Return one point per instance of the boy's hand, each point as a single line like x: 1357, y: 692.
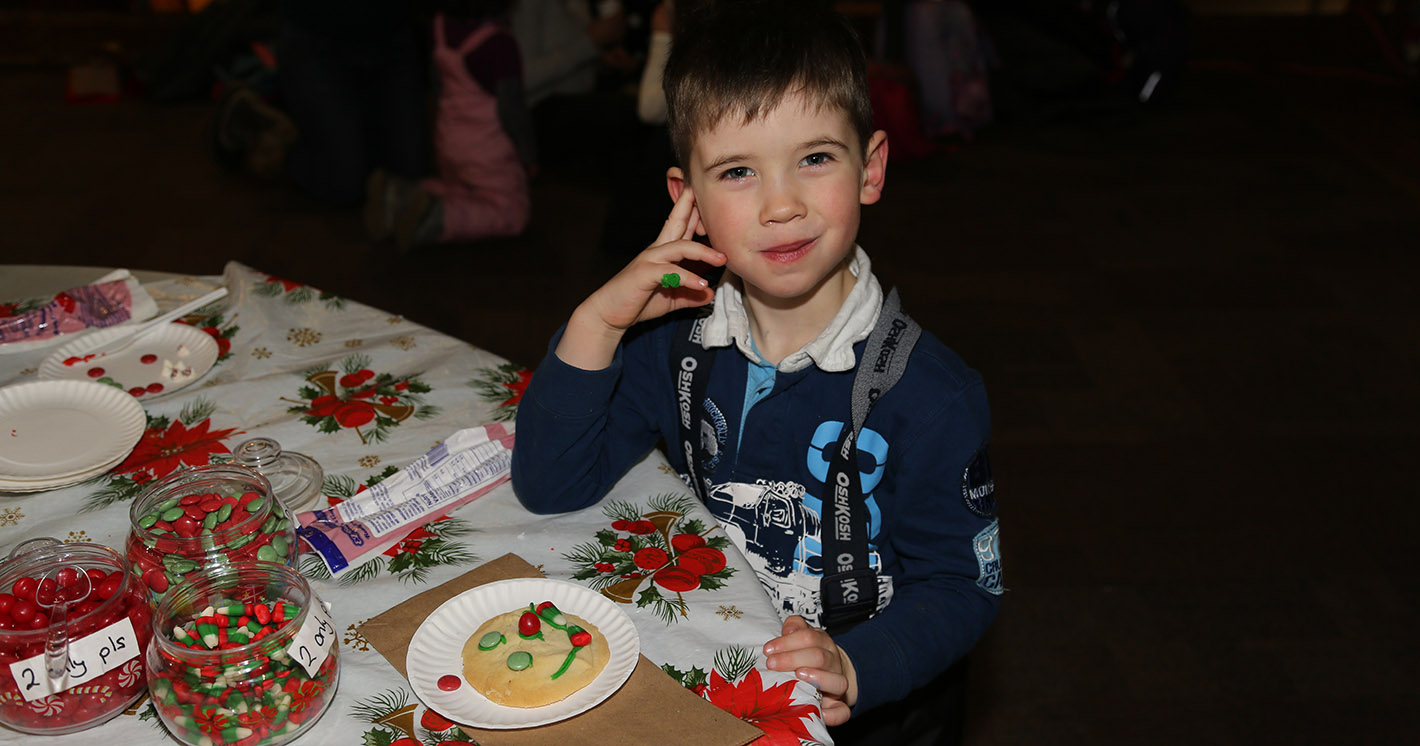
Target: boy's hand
x: 813, y: 657
x: 636, y: 292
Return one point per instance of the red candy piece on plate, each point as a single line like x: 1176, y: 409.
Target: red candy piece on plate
x: 582, y: 639
x: 449, y: 682
x: 148, y: 359
x: 529, y: 624
x: 96, y: 372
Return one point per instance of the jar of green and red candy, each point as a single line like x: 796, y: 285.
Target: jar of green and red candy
x: 207, y: 517
x: 108, y: 624
x: 242, y: 655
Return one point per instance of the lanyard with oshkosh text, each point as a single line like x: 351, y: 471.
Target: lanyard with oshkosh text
x: 849, y: 588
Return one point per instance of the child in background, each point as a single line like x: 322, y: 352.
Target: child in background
x: 863, y: 499
x: 482, y: 138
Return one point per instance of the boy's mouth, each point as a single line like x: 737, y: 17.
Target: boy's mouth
x: 789, y: 252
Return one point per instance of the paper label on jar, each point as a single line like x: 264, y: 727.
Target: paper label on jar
x: 90, y: 657
x: 313, y: 641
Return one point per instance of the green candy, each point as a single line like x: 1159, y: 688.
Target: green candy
x: 491, y: 640
x: 224, y: 512
x: 519, y: 660
x: 147, y: 521
x: 172, y: 514
x: 266, y: 554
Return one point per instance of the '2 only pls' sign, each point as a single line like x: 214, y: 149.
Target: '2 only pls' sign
x: 90, y: 657
x: 314, y: 639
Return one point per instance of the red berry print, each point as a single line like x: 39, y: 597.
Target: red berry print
x: 155, y: 388
x: 148, y: 359
x: 682, y: 542
x: 96, y: 372
x: 650, y: 558
x: 137, y: 391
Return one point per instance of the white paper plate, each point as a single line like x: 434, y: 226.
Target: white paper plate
x: 168, y: 358
x: 53, y: 430
x: 436, y: 650
x: 54, y: 483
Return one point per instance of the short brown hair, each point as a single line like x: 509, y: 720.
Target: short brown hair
x: 741, y: 56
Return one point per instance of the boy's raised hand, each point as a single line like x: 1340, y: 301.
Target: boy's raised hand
x: 636, y: 293
x: 813, y: 657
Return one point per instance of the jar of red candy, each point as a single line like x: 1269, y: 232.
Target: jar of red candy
x: 244, y: 654
x: 207, y: 517
x: 89, y: 601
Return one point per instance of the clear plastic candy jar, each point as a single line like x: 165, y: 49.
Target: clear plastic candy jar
x: 242, y: 654
x: 207, y: 517
x: 89, y: 607
x: 295, y: 477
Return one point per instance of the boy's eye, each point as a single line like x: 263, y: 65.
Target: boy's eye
x: 737, y: 173
x: 817, y: 159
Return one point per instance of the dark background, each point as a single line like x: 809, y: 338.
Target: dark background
x: 1197, y: 322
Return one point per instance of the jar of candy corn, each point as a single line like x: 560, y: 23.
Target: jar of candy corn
x: 89, y: 604
x: 210, y: 516
x: 245, y: 654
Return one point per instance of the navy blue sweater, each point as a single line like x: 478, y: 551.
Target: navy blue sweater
x: 933, y: 537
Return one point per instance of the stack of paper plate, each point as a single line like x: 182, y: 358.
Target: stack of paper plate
x: 57, y: 433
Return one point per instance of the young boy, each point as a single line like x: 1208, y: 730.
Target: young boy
x: 759, y: 400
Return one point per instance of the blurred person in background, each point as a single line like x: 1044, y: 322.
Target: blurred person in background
x: 483, y: 139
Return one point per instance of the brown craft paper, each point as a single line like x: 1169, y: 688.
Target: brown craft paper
x: 650, y: 708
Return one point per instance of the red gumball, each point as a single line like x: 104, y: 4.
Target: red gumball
x: 25, y: 588
x: 529, y: 624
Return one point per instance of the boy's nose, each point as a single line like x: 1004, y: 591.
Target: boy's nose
x: 781, y: 203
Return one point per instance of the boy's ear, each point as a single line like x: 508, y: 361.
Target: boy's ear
x: 874, y: 169
x: 676, y: 185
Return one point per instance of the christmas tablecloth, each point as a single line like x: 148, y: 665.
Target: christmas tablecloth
x: 293, y: 365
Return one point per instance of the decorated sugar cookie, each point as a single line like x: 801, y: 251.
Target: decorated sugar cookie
x: 533, y: 656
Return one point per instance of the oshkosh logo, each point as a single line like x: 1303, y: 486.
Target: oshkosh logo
x: 696, y: 329
x: 889, y: 347
x: 843, y: 524
x: 849, y: 587
x: 687, y: 367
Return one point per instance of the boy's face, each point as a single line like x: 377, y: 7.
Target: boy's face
x: 780, y: 197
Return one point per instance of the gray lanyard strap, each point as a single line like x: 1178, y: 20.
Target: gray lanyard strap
x: 849, y: 588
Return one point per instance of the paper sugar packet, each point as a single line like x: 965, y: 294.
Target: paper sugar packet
x: 463, y: 468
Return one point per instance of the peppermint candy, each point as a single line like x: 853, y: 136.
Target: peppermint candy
x: 48, y: 706
x: 130, y: 673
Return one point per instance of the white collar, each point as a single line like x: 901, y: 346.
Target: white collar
x: 831, y: 351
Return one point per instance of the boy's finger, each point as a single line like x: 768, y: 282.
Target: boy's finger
x: 679, y: 220
x: 793, y: 624
x: 831, y: 684
x: 692, y: 221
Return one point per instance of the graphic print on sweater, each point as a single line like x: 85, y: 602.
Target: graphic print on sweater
x: 777, y: 525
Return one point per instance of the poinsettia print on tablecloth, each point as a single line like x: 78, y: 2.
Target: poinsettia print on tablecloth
x: 660, y: 549
x: 166, y: 446
x: 503, y: 387
x: 295, y: 293
x: 354, y: 397
x: 222, y: 329
x: 734, y: 685
x: 430, y: 545
x: 392, y: 717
